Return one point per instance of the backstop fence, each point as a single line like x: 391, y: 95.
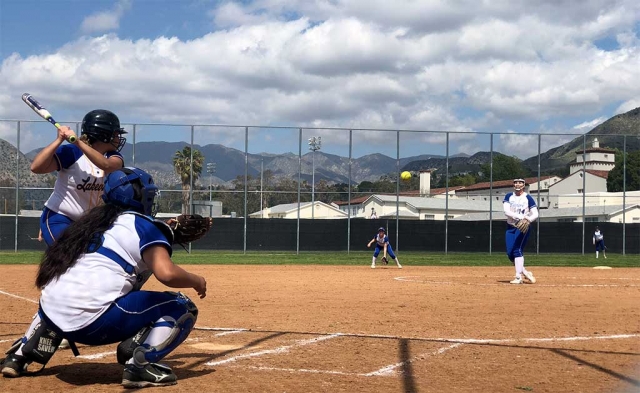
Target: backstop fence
x: 271, y: 190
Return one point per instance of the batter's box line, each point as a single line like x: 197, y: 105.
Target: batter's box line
x: 386, y: 371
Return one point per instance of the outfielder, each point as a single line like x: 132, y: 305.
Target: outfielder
x: 598, y: 241
x: 382, y: 243
x: 521, y: 210
x: 88, y: 279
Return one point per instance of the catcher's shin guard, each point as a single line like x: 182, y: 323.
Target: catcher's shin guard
x: 126, y: 348
x: 181, y: 329
x: 41, y: 346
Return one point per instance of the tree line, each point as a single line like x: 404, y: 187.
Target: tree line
x: 275, y: 191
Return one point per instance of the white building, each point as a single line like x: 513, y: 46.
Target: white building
x: 290, y: 210
x: 481, y: 191
x: 596, y: 158
x: 568, y: 192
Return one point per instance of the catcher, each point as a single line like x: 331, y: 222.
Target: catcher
x: 521, y: 211
x: 114, y: 244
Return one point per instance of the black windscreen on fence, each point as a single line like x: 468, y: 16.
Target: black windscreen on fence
x: 335, y: 235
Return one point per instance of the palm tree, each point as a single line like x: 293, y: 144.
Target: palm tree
x: 182, y: 165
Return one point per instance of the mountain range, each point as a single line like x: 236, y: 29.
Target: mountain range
x: 156, y: 157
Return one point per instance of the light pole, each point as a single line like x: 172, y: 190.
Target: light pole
x: 261, y: 175
x: 315, y: 143
x: 211, y: 169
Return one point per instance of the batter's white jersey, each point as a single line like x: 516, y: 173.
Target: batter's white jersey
x: 80, y: 295
x: 520, y: 205
x: 79, y: 184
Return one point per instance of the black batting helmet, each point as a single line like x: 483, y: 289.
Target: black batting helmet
x: 101, y: 125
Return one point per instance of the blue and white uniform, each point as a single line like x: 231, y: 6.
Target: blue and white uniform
x: 78, y: 188
x: 517, y: 207
x: 380, y: 242
x: 94, y: 302
x: 598, y: 240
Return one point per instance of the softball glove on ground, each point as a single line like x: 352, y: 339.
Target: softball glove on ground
x: 523, y: 225
x: 188, y: 228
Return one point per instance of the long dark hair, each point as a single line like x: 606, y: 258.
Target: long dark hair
x: 75, y: 241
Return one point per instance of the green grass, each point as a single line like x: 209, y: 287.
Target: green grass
x: 364, y: 258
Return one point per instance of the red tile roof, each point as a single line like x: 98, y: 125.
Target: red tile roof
x: 502, y: 183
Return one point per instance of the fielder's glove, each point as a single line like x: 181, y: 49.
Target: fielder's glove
x: 385, y: 260
x: 189, y: 228
x: 523, y: 225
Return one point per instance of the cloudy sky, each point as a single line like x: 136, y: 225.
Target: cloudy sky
x: 511, y: 68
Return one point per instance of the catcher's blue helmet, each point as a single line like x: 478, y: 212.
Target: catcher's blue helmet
x: 381, y: 229
x: 131, y: 188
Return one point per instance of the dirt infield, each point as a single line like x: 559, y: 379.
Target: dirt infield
x: 355, y: 329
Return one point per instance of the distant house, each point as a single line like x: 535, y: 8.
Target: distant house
x: 568, y: 191
x: 320, y: 210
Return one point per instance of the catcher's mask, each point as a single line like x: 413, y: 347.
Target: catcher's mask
x: 131, y: 188
x: 518, y: 184
x: 104, y: 126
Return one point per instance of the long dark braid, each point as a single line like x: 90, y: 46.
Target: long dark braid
x: 74, y: 242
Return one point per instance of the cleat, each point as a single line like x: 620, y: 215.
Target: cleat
x: 152, y: 374
x: 64, y: 344
x: 399, y: 265
x: 14, y: 365
x: 373, y: 265
x: 529, y: 276
x: 517, y: 280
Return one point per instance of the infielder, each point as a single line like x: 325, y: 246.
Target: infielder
x: 88, y: 276
x: 521, y: 210
x: 598, y: 241
x: 382, y: 243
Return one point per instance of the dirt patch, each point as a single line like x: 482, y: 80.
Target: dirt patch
x: 356, y: 329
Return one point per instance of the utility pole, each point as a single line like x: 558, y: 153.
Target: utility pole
x: 315, y: 143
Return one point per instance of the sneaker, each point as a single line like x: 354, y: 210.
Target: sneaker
x: 14, y: 365
x: 517, y: 280
x: 153, y: 374
x: 530, y: 277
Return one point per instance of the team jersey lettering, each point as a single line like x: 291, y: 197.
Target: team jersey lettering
x: 93, y: 186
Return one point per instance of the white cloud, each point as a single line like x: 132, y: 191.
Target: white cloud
x: 589, y: 125
x: 627, y: 106
x: 426, y: 65
x: 105, y: 20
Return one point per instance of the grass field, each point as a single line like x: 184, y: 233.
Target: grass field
x: 364, y: 258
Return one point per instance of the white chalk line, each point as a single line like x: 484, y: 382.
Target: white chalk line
x: 390, y: 369
x: 18, y: 297
x: 282, y: 349
x: 385, y: 371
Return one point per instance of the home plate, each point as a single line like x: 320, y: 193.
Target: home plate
x: 602, y: 267
x: 216, y: 347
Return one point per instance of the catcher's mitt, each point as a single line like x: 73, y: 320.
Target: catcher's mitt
x: 523, y: 225
x: 385, y: 260
x: 189, y: 227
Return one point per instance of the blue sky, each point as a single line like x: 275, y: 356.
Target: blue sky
x: 510, y: 68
